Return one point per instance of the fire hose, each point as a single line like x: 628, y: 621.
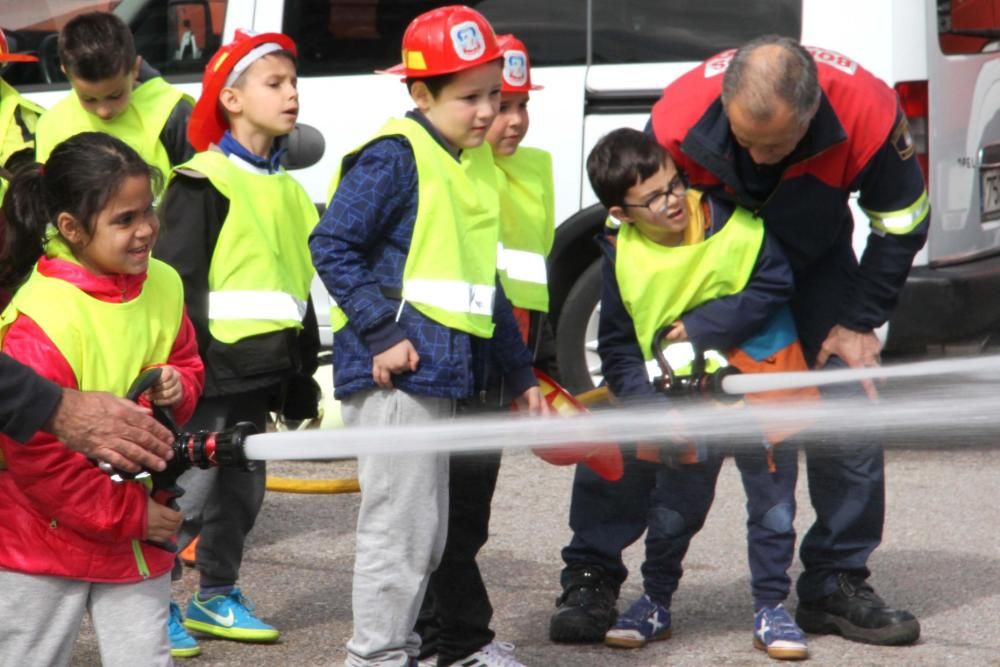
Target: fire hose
x: 240, y: 445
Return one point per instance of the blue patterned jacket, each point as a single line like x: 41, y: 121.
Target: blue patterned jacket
x: 359, y: 249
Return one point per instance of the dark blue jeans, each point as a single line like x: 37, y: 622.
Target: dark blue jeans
x: 680, y: 503
x: 846, y: 487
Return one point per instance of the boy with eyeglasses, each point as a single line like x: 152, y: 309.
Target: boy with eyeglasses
x: 722, y: 284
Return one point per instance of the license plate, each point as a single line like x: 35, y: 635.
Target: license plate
x: 990, y: 199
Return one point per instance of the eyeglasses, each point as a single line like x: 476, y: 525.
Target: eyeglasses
x: 658, y: 201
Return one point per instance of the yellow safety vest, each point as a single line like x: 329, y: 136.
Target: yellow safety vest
x: 106, y: 344
x: 11, y: 139
x: 527, y: 226
x: 139, y: 125
x: 261, y: 269
x: 660, y: 283
x: 450, y: 270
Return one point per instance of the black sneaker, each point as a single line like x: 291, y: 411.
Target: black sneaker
x: 858, y: 614
x: 586, y: 609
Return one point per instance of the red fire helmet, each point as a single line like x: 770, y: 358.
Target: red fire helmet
x: 516, y: 65
x: 7, y: 57
x: 446, y: 40
x: 208, y: 122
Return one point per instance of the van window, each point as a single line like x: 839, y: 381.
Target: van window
x: 968, y: 26
x: 361, y: 36
x: 635, y: 31
x: 176, y: 37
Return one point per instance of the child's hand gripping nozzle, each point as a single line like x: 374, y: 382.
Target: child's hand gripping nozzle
x: 691, y: 376
x: 202, y: 449
x: 696, y: 378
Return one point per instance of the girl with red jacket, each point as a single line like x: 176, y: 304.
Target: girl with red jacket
x: 94, y: 312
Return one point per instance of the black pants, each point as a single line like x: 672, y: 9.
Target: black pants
x: 455, y: 617
x: 232, y: 498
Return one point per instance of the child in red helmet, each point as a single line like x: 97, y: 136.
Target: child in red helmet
x: 236, y: 229
x: 455, y: 618
x: 18, y: 120
x: 408, y: 249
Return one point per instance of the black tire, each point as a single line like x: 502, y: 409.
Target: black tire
x: 571, y: 332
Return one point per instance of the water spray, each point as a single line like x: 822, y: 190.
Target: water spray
x: 925, y: 416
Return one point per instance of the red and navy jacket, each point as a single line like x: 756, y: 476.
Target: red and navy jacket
x: 858, y: 141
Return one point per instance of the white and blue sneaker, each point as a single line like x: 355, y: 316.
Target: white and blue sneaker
x: 182, y: 644
x: 774, y: 631
x: 643, y: 622
x: 228, y: 616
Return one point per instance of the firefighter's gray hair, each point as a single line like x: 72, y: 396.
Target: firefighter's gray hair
x: 758, y: 78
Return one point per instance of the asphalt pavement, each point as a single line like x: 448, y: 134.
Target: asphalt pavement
x: 940, y: 559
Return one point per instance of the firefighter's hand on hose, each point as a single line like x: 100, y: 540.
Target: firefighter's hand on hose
x: 677, y: 333
x: 858, y: 349
x: 400, y: 358
x: 161, y: 522
x: 168, y: 390
x: 532, y: 402
x: 107, y: 428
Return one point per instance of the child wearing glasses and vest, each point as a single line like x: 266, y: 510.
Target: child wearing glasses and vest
x: 236, y: 228
x: 721, y: 284
x: 408, y: 250
x: 117, y: 92
x: 91, y: 311
x: 454, y: 622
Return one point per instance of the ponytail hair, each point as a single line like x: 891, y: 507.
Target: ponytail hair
x: 24, y: 219
x: 82, y: 174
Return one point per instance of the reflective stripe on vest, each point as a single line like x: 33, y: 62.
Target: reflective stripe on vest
x: 261, y: 270
x: 11, y: 138
x: 520, y: 266
x: 139, y: 125
x: 658, y: 284
x: 450, y: 270
x: 106, y: 344
x: 255, y: 305
x: 527, y: 225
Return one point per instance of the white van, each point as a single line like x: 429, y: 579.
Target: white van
x: 603, y: 63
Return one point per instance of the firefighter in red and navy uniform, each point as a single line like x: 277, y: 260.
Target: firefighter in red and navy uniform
x: 735, y: 124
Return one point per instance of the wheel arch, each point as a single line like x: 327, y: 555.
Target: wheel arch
x: 573, y: 251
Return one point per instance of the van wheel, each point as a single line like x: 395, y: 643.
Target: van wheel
x: 576, y: 334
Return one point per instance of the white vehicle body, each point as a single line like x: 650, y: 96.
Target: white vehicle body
x: 588, y: 92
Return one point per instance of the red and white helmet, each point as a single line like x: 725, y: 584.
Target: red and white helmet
x: 7, y: 57
x: 208, y: 122
x: 516, y: 65
x: 446, y: 40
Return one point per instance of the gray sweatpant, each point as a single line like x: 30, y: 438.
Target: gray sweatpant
x: 42, y: 620
x: 402, y: 527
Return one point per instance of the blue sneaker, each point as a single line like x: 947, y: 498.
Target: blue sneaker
x: 774, y: 631
x: 228, y: 616
x: 182, y: 644
x: 643, y: 622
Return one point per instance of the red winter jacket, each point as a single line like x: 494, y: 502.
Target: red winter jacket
x: 59, y: 514
x: 856, y: 142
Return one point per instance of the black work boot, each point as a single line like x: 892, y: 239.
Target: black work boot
x: 858, y: 614
x: 586, y: 609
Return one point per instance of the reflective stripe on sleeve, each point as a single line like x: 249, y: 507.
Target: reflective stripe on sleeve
x: 900, y: 222
x: 451, y: 295
x: 254, y: 305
